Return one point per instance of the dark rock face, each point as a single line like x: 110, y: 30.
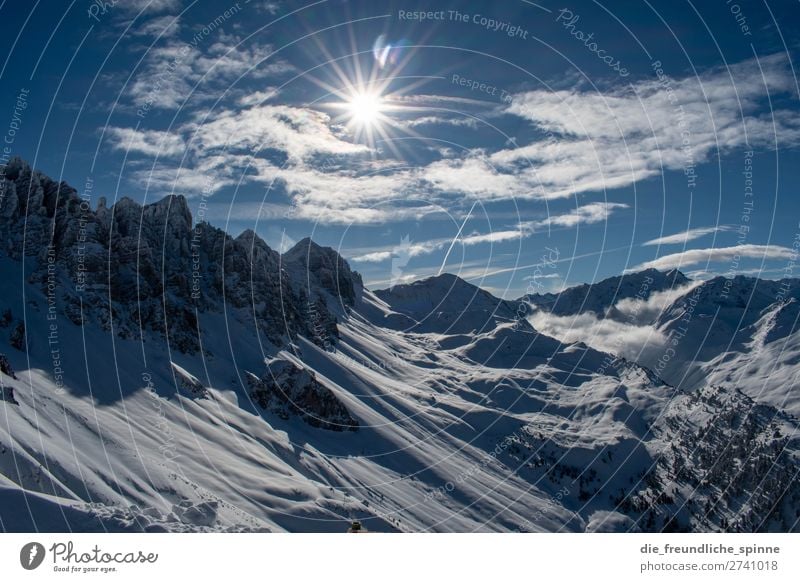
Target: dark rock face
x: 188, y: 384
x: 7, y: 395
x: 317, y: 267
x: 288, y: 390
x: 148, y: 270
x: 448, y: 304
x: 5, y: 367
x: 17, y: 337
x: 7, y: 392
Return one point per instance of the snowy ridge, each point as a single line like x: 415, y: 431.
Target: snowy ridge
x: 602, y: 296
x: 283, y: 396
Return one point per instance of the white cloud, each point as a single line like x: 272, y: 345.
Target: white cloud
x: 681, y: 238
x: 409, y: 250
x: 598, y: 141
x: 427, y: 247
x: 376, y: 257
x: 645, y: 312
x: 695, y: 256
x: 298, y: 132
x: 541, y: 276
x: 200, y: 71
x: 494, y: 237
x: 164, y: 26
x: 591, y: 213
x: 473, y: 175
x: 627, y: 329
x: 258, y: 97
x: 271, y: 8
x: 146, y: 142
x: 191, y: 182
x: 440, y: 120
x: 608, y: 335
x: 150, y: 6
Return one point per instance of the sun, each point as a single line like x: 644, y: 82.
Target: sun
x: 365, y: 108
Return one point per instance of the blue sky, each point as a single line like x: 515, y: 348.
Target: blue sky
x: 521, y: 145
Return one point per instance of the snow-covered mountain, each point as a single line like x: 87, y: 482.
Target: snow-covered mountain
x: 600, y: 298
x: 160, y: 375
x: 742, y: 333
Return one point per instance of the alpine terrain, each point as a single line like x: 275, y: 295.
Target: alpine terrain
x: 161, y: 375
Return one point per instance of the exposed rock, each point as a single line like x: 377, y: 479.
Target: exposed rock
x: 286, y: 390
x: 721, y: 446
x: 601, y: 297
x: 188, y: 383
x: 317, y: 267
x: 197, y: 514
x: 148, y: 269
x: 5, y: 367
x: 7, y: 394
x: 17, y: 338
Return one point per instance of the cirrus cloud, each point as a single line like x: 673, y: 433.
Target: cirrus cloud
x: 696, y: 256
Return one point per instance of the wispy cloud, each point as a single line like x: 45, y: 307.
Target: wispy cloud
x: 494, y: 237
x: 150, y: 6
x: 595, y: 141
x: 159, y: 26
x: 441, y: 120
x: 681, y: 238
x: 409, y: 250
x: 147, y: 142
x: 591, y: 213
x: 298, y: 132
x: 200, y: 70
x: 598, y: 141
x: 696, y: 256
x: 587, y: 214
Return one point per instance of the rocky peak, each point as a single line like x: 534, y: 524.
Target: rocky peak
x: 317, y: 266
x: 447, y: 303
x: 146, y: 267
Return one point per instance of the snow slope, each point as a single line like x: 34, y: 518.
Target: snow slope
x: 286, y: 397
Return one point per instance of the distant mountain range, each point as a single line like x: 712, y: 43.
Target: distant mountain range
x: 161, y: 375
x: 742, y: 332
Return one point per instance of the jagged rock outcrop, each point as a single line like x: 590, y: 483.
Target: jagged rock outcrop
x: 17, y: 337
x: 188, y: 383
x: 7, y: 392
x: 317, y: 267
x: 148, y: 269
x: 720, y: 446
x: 289, y: 390
x: 7, y: 395
x: 5, y: 367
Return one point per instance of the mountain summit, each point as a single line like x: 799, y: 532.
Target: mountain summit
x: 161, y: 375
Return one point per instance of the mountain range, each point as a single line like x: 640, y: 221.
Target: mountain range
x: 161, y: 375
